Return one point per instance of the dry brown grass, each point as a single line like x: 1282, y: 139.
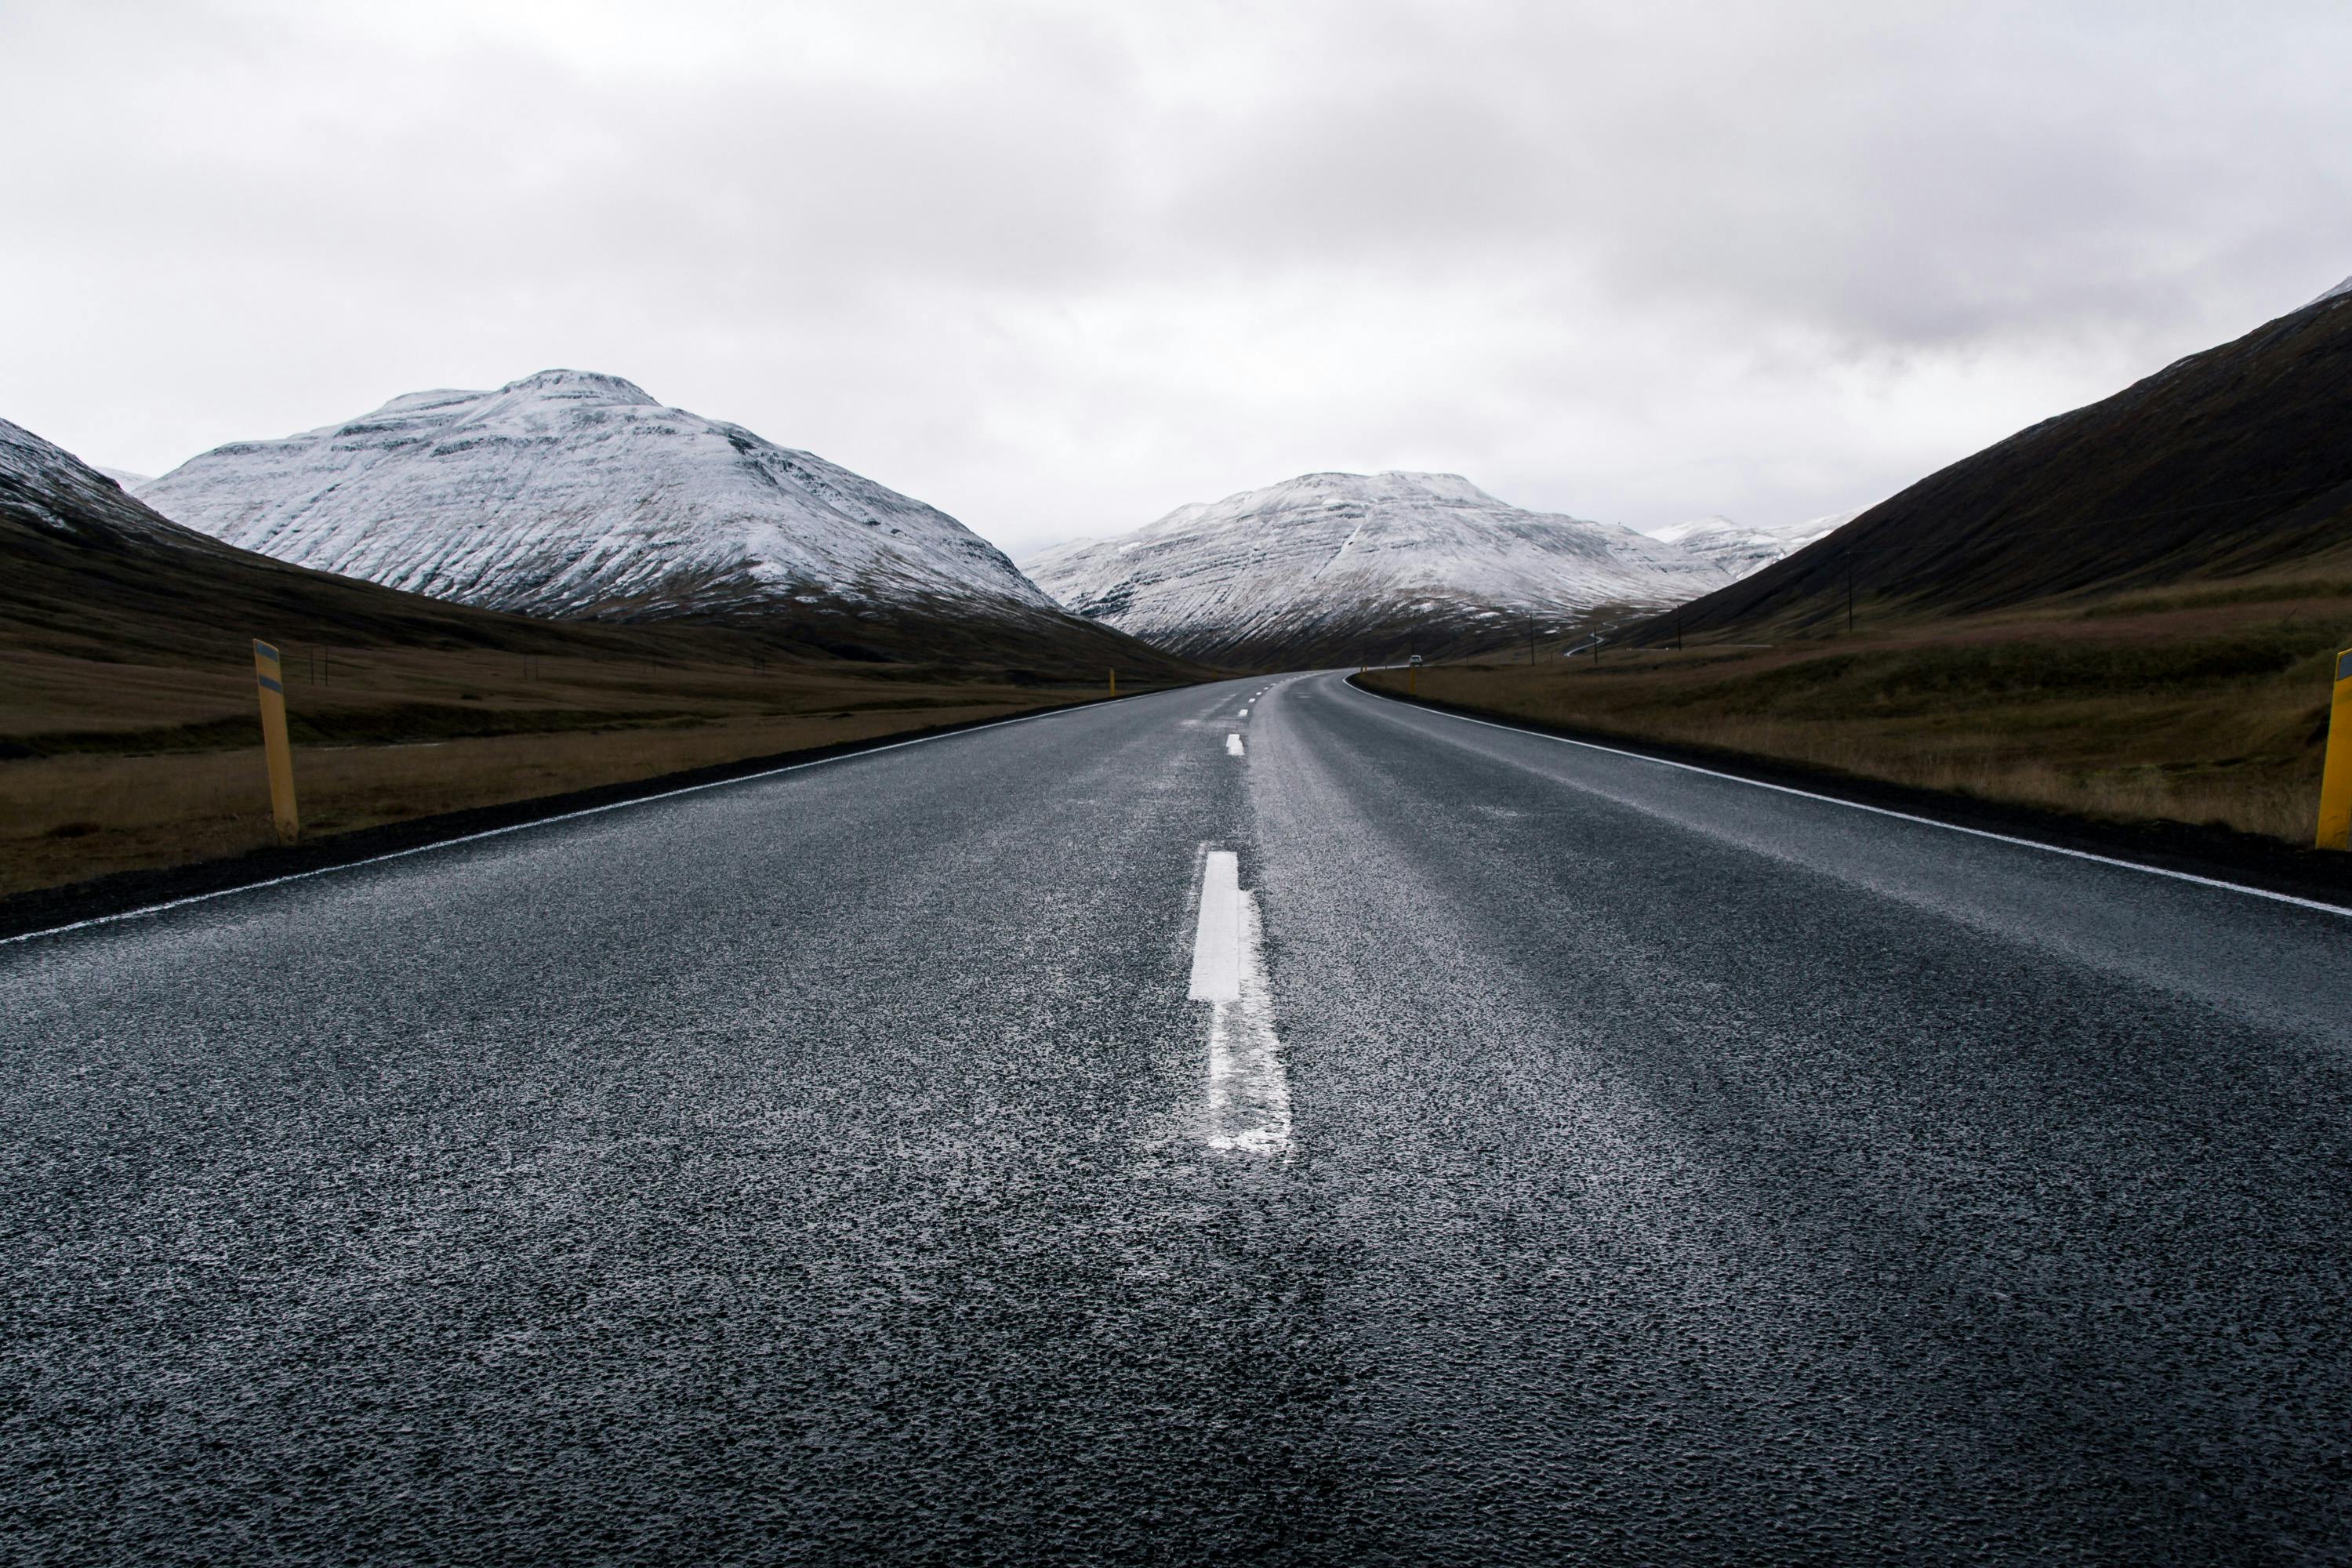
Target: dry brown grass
x: 2013, y: 765
x: 2207, y: 711
x: 134, y: 776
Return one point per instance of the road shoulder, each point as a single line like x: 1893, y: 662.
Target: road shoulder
x: 124, y: 892
x: 2188, y: 848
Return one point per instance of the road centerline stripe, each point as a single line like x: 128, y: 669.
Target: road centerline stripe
x: 1216, y: 940
x: 1248, y: 1087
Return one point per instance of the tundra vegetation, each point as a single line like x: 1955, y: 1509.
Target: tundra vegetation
x: 2203, y: 703
x: 122, y: 766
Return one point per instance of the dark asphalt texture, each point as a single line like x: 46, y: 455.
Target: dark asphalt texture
x: 811, y: 1170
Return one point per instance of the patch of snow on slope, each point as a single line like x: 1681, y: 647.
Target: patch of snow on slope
x: 571, y: 493
x: 44, y: 485
x: 2341, y: 289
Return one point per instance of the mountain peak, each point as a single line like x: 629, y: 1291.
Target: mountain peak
x: 1324, y: 566
x: 575, y: 493
x: 582, y: 384
x: 1388, y: 484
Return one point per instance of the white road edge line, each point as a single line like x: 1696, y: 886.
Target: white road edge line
x: 1885, y: 811
x: 1232, y: 745
x: 146, y: 910
x: 1249, y: 1087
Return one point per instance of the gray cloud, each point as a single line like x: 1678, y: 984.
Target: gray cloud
x: 1057, y: 268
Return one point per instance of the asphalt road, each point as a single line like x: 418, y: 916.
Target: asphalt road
x: 1523, y: 1153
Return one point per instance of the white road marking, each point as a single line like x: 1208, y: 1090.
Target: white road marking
x: 1244, y: 712
x: 1249, y: 1090
x: 158, y: 908
x: 1216, y: 940
x: 1885, y: 811
x: 1232, y: 745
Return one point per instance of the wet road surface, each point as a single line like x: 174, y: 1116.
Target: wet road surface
x: 1513, y: 1152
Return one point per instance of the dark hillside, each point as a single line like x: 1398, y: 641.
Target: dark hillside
x: 2231, y: 463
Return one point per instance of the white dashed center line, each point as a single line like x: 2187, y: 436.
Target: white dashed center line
x: 1249, y: 1090
x: 1232, y: 745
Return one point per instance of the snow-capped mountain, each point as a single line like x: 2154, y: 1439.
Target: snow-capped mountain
x: 1737, y: 549
x: 1326, y: 567
x: 93, y: 573
x: 568, y: 493
x: 46, y: 488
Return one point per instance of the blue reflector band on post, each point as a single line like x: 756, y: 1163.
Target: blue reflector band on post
x: 269, y: 684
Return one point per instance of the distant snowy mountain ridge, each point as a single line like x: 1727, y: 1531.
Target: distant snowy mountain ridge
x: 1328, y: 565
x: 570, y: 493
x: 1736, y: 550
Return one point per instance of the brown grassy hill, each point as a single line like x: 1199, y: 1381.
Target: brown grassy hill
x: 2232, y: 463
x: 128, y: 734
x: 2128, y: 614
x: 2194, y: 706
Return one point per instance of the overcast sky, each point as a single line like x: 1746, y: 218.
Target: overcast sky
x: 1058, y: 268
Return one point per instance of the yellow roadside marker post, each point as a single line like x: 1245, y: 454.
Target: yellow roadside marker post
x: 270, y: 675
x: 2335, y: 781
x: 1114, y: 683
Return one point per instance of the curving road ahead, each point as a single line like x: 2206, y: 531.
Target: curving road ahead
x: 1341, y: 1133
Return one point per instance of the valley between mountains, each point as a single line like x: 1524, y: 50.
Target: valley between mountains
x: 564, y: 583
